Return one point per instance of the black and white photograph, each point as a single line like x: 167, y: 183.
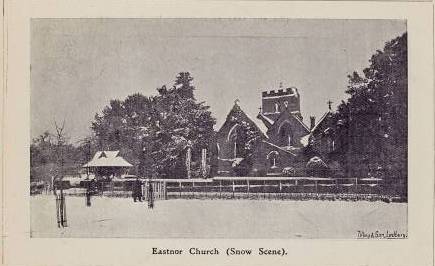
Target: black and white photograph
x: 235, y: 128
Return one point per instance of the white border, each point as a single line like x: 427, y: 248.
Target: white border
x: 19, y: 249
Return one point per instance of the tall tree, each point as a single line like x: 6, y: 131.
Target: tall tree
x: 124, y: 125
x: 154, y: 132
x: 375, y: 115
x: 182, y: 123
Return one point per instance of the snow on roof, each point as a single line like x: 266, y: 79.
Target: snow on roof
x: 107, y: 159
x: 278, y: 147
x: 261, y: 126
x: 300, y: 121
x: 320, y: 121
x: 266, y: 118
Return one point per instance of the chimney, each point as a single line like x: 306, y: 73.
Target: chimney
x: 312, y: 121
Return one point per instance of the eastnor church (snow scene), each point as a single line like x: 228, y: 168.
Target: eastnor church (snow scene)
x: 277, y: 141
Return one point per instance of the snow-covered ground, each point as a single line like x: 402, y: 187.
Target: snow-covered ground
x: 121, y: 217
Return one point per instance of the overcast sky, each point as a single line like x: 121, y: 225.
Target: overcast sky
x: 78, y: 65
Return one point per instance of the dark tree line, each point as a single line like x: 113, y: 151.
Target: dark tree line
x: 154, y: 133
x: 372, y: 124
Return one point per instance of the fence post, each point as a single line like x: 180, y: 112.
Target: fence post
x: 57, y: 210
x: 65, y: 223
x: 206, y: 189
x: 264, y: 188
x: 160, y: 190
x: 193, y: 189
x: 356, y: 185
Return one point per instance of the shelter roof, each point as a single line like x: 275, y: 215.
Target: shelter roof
x: 107, y: 159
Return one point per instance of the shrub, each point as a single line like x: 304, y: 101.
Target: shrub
x: 288, y: 171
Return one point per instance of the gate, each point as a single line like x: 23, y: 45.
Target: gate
x: 157, y: 190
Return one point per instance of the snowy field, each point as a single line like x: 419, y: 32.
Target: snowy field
x: 121, y: 217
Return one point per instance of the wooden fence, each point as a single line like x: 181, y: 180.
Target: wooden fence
x: 251, y: 187
x: 236, y: 186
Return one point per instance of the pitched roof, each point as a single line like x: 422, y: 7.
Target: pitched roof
x: 107, y: 159
x: 266, y: 120
x: 279, y: 148
x: 325, y: 115
x: 237, y: 107
x: 300, y: 121
x: 261, y: 126
x: 291, y: 114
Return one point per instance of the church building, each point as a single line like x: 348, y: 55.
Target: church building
x: 273, y: 144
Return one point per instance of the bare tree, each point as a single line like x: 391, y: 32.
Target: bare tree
x: 60, y: 199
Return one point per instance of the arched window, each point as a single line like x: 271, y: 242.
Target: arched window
x: 285, y: 134
x: 235, y: 139
x: 273, y: 159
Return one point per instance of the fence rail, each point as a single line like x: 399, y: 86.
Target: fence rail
x: 255, y: 188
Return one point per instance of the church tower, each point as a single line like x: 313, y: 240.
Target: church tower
x: 274, y: 102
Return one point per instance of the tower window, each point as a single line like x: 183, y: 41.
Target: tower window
x: 276, y: 108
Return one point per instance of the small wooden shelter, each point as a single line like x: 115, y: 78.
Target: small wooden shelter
x: 107, y: 164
